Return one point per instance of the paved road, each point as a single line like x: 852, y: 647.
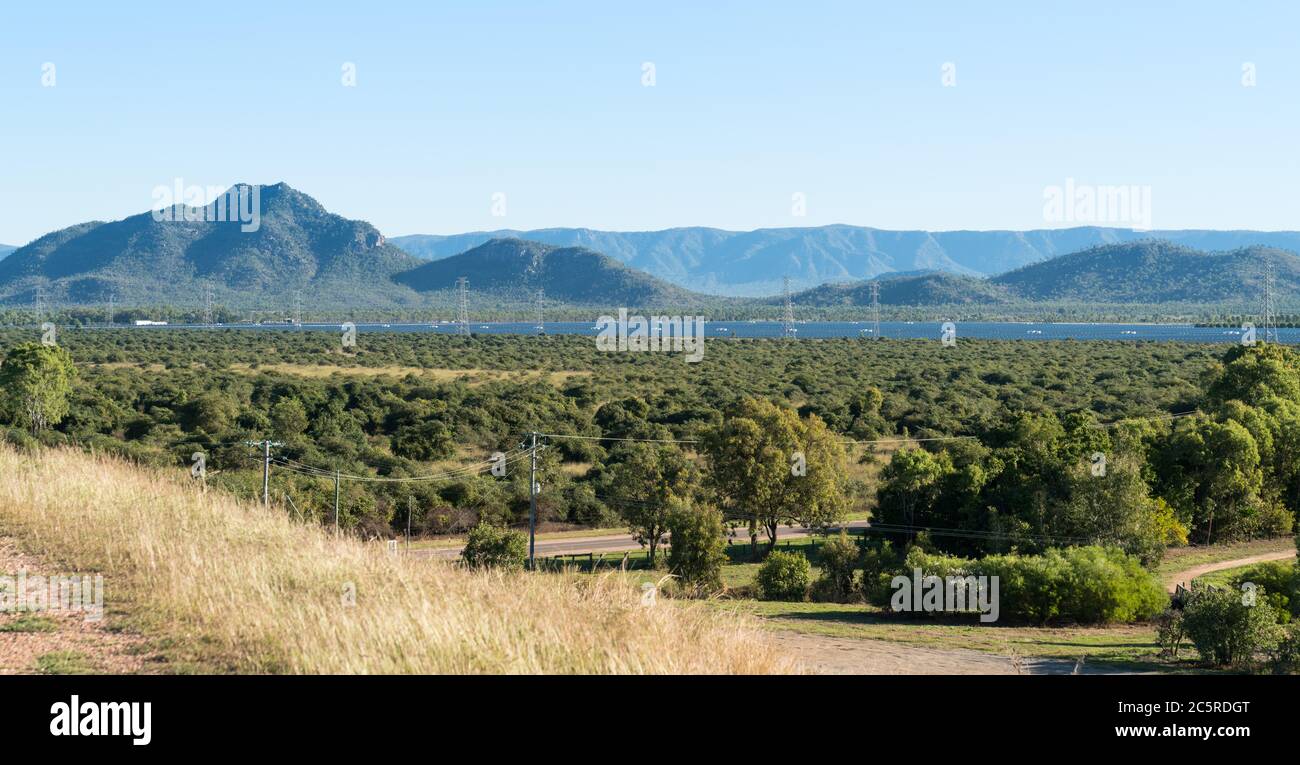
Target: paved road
x: 616, y: 543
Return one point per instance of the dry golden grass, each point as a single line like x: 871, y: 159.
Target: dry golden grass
x: 227, y: 586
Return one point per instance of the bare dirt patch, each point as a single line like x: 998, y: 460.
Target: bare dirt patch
x: 58, y: 641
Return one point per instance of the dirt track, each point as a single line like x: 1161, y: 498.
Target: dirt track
x: 1184, y: 577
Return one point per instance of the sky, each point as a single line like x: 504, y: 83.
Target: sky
x: 467, y: 116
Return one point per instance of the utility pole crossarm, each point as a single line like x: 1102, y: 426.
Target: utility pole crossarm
x: 266, y: 467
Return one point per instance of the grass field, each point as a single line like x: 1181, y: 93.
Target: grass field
x: 1130, y: 647
x: 220, y: 585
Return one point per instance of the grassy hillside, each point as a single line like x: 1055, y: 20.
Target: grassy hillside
x: 226, y: 586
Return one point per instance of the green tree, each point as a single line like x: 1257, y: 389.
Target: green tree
x: 839, y: 564
x: 36, y: 381
x: 1114, y: 509
x: 1251, y: 374
x: 698, y: 547
x: 289, y: 418
x: 1227, y: 629
x: 645, y: 485
x: 211, y: 412
x: 909, y: 486
x: 1210, y: 473
x: 770, y: 467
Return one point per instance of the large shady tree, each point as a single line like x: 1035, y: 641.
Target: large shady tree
x: 770, y: 467
x: 35, y: 382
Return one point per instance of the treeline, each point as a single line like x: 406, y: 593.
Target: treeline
x: 1228, y: 470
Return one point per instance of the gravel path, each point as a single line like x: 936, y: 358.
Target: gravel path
x: 1185, y: 577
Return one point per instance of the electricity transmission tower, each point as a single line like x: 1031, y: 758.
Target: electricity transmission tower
x: 787, y: 321
x: 112, y: 299
x: 1269, y: 319
x: 875, y: 310
x: 40, y: 306
x: 297, y: 308
x: 541, y: 321
x: 207, y: 306
x: 462, y: 314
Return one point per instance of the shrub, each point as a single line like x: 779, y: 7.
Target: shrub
x: 1280, y: 580
x: 784, y: 576
x: 698, y: 548
x: 1170, y: 632
x: 495, y: 547
x: 1286, y: 657
x: 1078, y: 584
x: 839, y: 562
x: 1226, y: 631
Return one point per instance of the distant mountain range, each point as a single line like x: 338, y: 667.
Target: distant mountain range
x: 301, y: 250
x: 753, y: 263
x: 1146, y: 272
x: 5, y: 250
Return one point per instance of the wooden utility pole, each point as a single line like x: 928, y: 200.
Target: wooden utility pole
x: 532, y: 505
x: 266, y: 468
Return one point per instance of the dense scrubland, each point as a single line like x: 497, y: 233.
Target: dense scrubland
x: 405, y: 405
x: 1066, y: 468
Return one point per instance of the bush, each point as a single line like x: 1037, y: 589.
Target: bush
x: 495, y: 547
x: 1170, y: 632
x: 1286, y: 657
x: 698, y: 548
x: 1078, y: 584
x: 784, y: 576
x: 839, y: 562
x: 1280, y: 580
x: 1226, y: 631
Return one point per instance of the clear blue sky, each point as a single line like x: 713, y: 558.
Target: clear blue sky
x: 753, y: 101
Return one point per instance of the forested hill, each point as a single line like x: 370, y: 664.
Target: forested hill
x: 297, y: 246
x: 1154, y: 272
x: 575, y: 275
x: 1149, y: 272
x: 936, y: 288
